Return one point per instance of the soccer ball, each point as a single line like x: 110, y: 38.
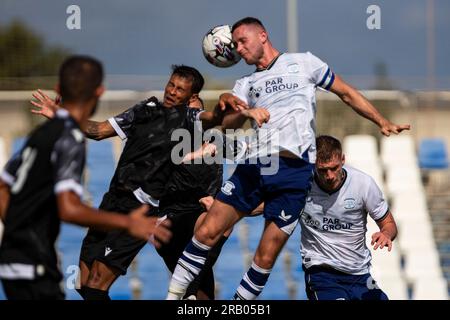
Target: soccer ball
x: 218, y: 47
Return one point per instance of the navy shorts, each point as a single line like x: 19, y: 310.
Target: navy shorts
x: 283, y: 193
x: 328, y: 284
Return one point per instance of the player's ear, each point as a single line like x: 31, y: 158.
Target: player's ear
x: 99, y: 91
x: 343, y: 159
x: 263, y: 36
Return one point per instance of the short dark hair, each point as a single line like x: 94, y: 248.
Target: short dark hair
x: 190, y: 73
x: 327, y: 148
x: 79, y: 77
x: 247, y: 20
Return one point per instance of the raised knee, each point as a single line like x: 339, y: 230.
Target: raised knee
x: 265, y: 261
x: 206, y: 235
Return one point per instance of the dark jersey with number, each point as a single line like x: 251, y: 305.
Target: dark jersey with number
x: 145, y: 160
x: 51, y: 162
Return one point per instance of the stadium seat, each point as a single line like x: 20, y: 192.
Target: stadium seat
x: 394, y: 286
x: 386, y: 266
x: 420, y: 263
x: 410, y: 209
x: 362, y: 147
x: 430, y: 288
x: 403, y: 178
x: 398, y: 150
x: 361, y: 153
x: 433, y: 154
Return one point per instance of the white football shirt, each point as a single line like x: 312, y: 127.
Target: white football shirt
x: 334, y: 225
x: 287, y: 90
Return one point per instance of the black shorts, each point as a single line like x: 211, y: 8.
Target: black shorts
x: 117, y: 248
x: 38, y: 289
x: 182, y: 231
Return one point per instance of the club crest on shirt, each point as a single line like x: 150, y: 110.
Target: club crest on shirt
x: 349, y: 203
x: 228, y: 187
x: 293, y: 68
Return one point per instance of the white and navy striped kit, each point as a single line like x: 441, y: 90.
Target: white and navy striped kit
x: 287, y: 90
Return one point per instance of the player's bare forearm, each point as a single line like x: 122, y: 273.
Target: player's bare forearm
x: 363, y: 107
x: 99, y: 130
x: 233, y: 120
x: 388, y: 226
x: 210, y: 119
x: 136, y: 222
x: 4, y: 199
x: 356, y: 101
x: 72, y: 210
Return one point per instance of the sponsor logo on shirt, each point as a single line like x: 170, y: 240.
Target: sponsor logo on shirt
x: 327, y: 224
x: 309, y: 221
x: 254, y: 92
x: 278, y: 84
x: 331, y: 224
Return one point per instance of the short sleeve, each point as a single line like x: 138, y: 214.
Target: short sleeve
x: 375, y: 204
x: 193, y: 119
x: 321, y: 74
x: 68, y: 159
x: 9, y: 173
x: 240, y: 90
x: 124, y: 123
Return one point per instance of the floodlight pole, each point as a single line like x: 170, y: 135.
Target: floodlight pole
x: 431, y: 56
x: 292, y: 25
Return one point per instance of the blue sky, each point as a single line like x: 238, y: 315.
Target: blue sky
x: 144, y: 37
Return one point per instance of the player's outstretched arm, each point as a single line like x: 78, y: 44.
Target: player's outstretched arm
x: 227, y: 104
x: 44, y: 105
x: 362, y: 106
x: 260, y: 115
x: 228, y: 100
x: 387, y: 233
x: 206, y: 150
x: 72, y: 210
x: 236, y: 119
x: 99, y: 130
x: 4, y: 199
x: 47, y: 107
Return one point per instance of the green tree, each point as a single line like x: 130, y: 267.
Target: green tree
x: 26, y: 60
